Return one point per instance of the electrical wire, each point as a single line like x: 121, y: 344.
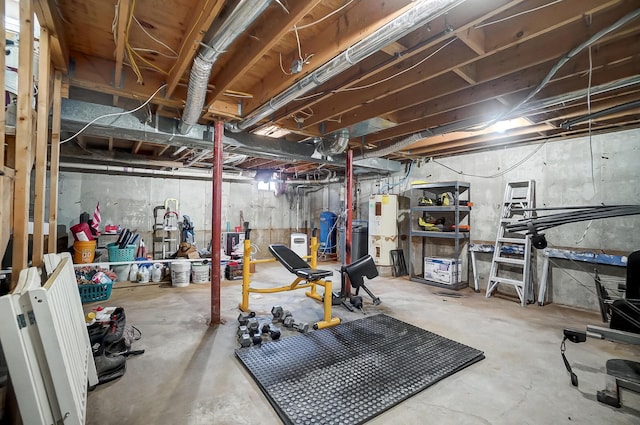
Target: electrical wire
x: 186, y: 38
x: 404, y: 179
x: 593, y: 179
x: 115, y: 114
x: 144, y: 49
x: 298, y: 41
x: 282, y: 67
x: 500, y: 174
x: 282, y: 6
x: 516, y: 15
x: 153, y: 38
x: 326, y: 16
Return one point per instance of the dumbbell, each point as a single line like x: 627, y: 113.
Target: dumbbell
x: 243, y: 318
x: 253, y: 326
x: 244, y: 340
x: 256, y: 339
x: 242, y: 329
x: 279, y: 314
x: 274, y: 333
x: 299, y: 326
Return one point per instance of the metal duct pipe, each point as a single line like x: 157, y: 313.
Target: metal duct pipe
x: 417, y: 16
x: 603, y: 113
x: 331, y: 178
x: 198, y: 157
x: 334, y: 145
x: 120, y: 170
x: 237, y: 22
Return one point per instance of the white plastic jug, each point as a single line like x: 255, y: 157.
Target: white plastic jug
x: 156, y: 272
x: 133, y: 273
x: 143, y: 274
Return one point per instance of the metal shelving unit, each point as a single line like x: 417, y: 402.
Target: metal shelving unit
x: 450, y: 243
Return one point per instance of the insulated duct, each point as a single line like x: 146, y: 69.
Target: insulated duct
x: 237, y: 22
x: 419, y: 15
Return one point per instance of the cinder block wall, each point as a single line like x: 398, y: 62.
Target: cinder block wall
x: 562, y: 174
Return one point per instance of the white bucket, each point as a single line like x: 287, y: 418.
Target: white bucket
x: 200, y: 273
x: 122, y: 272
x: 180, y: 273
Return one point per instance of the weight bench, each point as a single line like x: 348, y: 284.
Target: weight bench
x: 357, y: 271
x: 623, y: 316
x: 306, y: 277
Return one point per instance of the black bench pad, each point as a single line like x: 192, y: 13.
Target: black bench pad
x: 295, y: 264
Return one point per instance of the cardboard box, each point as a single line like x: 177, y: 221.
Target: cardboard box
x: 442, y: 270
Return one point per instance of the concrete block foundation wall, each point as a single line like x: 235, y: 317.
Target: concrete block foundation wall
x: 562, y: 174
x: 129, y: 202
x: 561, y: 170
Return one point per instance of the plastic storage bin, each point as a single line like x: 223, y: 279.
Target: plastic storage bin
x: 92, y: 292
x: 116, y: 254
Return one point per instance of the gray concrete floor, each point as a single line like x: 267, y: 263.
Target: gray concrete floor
x: 189, y: 373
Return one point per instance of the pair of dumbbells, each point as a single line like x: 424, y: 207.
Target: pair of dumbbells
x: 289, y: 322
x: 248, y: 330
x: 279, y: 314
x: 272, y: 331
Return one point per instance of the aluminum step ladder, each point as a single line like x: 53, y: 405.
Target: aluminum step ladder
x: 511, y: 264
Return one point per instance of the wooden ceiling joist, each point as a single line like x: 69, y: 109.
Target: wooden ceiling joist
x: 49, y: 18
x: 355, y: 24
x: 197, y: 28
x: 268, y: 33
x: 122, y: 35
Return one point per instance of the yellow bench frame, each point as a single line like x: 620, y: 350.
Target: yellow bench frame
x: 298, y: 283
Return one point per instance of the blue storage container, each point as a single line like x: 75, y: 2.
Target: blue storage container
x: 327, y: 232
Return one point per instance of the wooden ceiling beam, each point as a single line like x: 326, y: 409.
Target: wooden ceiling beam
x: 393, y: 49
x: 196, y: 30
x: 523, y: 82
x: 421, y: 121
x: 93, y: 73
x: 459, y: 19
x: 512, y: 56
x: 136, y: 147
x: 548, y: 19
x: 122, y: 36
x: 351, y: 99
x: 482, y: 111
x: 268, y: 34
x: 514, y: 60
x: 355, y: 24
x: 49, y: 18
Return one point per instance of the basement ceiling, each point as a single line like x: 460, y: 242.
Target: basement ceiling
x: 468, y: 75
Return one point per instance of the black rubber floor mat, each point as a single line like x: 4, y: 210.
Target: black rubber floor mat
x: 353, y: 372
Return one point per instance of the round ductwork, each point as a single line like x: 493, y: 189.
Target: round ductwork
x: 334, y: 143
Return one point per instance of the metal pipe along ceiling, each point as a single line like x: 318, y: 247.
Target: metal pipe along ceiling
x: 417, y: 16
x: 237, y: 22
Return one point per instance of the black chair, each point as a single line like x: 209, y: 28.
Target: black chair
x: 623, y: 314
x: 358, y: 270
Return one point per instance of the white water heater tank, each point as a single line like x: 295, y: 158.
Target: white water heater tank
x: 383, y: 227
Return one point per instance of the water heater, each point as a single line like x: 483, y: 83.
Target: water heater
x: 383, y: 227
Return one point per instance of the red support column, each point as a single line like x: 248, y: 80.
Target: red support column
x: 349, y: 210
x: 216, y: 222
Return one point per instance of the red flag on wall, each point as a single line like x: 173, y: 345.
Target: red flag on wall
x: 96, y: 218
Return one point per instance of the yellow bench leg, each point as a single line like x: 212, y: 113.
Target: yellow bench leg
x: 328, y: 320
